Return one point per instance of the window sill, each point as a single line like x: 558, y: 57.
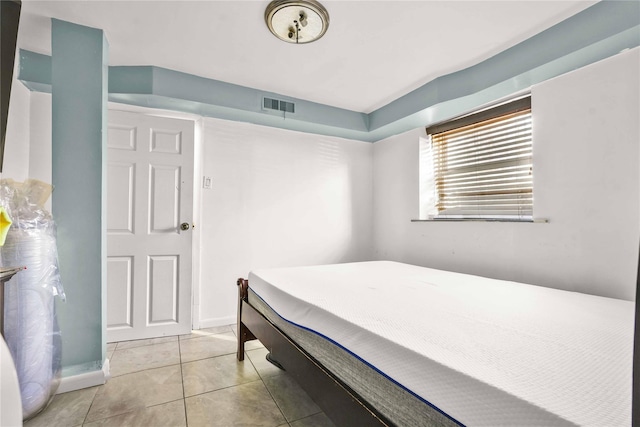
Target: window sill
x: 533, y: 220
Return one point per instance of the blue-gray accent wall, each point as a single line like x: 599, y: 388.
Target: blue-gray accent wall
x: 597, y: 32
x: 79, y: 75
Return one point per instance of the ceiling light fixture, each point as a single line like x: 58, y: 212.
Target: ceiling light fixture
x: 297, y: 22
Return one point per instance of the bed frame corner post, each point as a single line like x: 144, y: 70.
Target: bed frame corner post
x: 243, y: 286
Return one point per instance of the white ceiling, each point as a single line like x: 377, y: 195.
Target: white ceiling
x: 373, y: 52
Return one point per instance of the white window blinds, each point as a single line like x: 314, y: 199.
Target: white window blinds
x: 482, y: 164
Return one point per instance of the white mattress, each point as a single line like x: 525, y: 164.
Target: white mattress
x: 485, y: 352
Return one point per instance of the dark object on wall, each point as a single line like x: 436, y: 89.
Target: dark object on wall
x: 635, y: 405
x: 10, y: 16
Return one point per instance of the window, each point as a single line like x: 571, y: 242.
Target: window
x: 481, y: 165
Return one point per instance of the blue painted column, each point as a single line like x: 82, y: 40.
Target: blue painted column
x: 79, y: 77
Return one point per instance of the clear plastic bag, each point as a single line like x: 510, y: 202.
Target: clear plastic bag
x: 30, y: 323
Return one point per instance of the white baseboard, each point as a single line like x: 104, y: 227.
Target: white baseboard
x: 217, y: 321
x: 85, y: 380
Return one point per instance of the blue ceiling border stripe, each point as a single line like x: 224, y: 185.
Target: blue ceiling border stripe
x: 599, y: 22
x: 596, y: 33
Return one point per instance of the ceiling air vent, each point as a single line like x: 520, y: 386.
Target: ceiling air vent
x: 278, y: 105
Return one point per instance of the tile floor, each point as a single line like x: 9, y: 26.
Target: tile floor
x: 190, y: 380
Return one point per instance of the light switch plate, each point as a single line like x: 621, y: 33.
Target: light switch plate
x: 206, y: 182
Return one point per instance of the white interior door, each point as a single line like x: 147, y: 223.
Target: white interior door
x: 150, y: 200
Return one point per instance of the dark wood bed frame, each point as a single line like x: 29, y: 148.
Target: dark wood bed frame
x: 341, y: 404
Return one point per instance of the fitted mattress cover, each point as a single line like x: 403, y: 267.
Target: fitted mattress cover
x: 482, y: 351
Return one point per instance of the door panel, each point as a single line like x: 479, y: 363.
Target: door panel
x: 165, y: 199
x: 150, y: 193
x: 120, y: 291
x: 120, y: 193
x: 163, y: 288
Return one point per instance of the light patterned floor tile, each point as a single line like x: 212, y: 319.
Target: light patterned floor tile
x: 146, y: 388
x: 208, y: 346
x: 150, y: 356
x: 262, y: 365
x: 292, y: 400
x: 253, y: 345
x: 317, y: 420
x: 215, y: 373
x: 199, y: 333
x: 170, y: 414
x: 123, y: 345
x: 66, y: 409
x: 136, y: 391
x: 243, y: 405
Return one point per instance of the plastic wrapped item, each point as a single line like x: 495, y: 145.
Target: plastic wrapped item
x: 30, y: 324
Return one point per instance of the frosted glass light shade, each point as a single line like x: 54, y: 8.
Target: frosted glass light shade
x: 297, y: 21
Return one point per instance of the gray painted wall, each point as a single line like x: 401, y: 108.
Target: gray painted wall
x: 586, y: 182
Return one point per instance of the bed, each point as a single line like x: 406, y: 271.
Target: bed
x: 385, y: 343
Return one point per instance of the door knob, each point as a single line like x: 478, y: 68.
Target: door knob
x: 184, y: 226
